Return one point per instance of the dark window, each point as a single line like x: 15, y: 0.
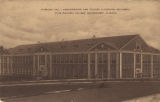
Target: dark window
x: 138, y: 60
x: 80, y: 58
x: 54, y: 58
x: 66, y: 58
x: 75, y: 58
x: 41, y: 59
x: 71, y: 58
x: 75, y: 45
x: 92, y: 58
x: 57, y: 58
x: 85, y: 58
x: 99, y: 58
x: 62, y: 58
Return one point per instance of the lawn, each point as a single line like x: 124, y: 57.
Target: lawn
x: 93, y: 92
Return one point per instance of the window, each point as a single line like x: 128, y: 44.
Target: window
x: 41, y: 59
x: 156, y: 66
x: 57, y: 58
x: 85, y: 58
x: 66, y: 58
x: 138, y: 60
x: 54, y: 58
x: 105, y: 58
x: 71, y: 58
x: 127, y: 65
x: 75, y: 45
x: 93, y: 58
x: 99, y: 58
x: 75, y: 58
x: 80, y: 58
x: 62, y: 58
x: 146, y: 66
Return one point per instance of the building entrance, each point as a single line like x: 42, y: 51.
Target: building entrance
x: 138, y: 64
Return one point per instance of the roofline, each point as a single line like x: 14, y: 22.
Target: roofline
x: 74, y: 40
x: 137, y: 35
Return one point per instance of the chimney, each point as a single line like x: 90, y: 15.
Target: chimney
x: 94, y: 36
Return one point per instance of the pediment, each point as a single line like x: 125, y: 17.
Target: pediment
x: 102, y: 46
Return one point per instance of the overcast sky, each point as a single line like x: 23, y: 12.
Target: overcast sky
x: 23, y: 21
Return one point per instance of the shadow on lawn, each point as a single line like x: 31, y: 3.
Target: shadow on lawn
x: 97, y: 92
x: 119, y: 92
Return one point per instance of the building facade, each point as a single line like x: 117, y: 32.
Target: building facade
x: 117, y: 57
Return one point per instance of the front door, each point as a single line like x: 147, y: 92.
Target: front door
x: 42, y: 69
x: 138, y: 69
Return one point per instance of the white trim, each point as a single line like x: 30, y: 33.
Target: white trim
x: 86, y: 52
x: 120, y: 66
x: 0, y: 65
x: 34, y: 66
x: 134, y: 64
x: 89, y: 64
x: 149, y: 53
x: 96, y: 65
x: 7, y: 65
x: 117, y: 65
x: 37, y: 63
x: 50, y: 71
x: 109, y: 66
x: 142, y: 63
x: 151, y: 66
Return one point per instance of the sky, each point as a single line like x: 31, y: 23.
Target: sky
x: 25, y: 21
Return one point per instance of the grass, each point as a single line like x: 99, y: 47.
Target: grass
x: 95, y: 92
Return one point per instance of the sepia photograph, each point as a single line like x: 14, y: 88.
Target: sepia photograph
x: 79, y: 51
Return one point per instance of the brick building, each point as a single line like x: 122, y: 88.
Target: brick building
x: 116, y: 57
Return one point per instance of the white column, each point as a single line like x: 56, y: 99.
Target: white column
x: 141, y: 64
x: 34, y: 66
x: 45, y: 60
x: 46, y: 69
x: 96, y: 65
x: 102, y: 67
x: 11, y: 64
x: 109, y: 65
x: 151, y: 66
x: 134, y: 65
x: 120, y: 65
x: 89, y: 66
x: 51, y: 69
x: 7, y: 65
x: 117, y: 65
x: 0, y: 65
x: 38, y: 65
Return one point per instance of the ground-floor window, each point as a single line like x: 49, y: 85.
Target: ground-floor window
x: 156, y: 66
x: 127, y: 65
x: 146, y: 70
